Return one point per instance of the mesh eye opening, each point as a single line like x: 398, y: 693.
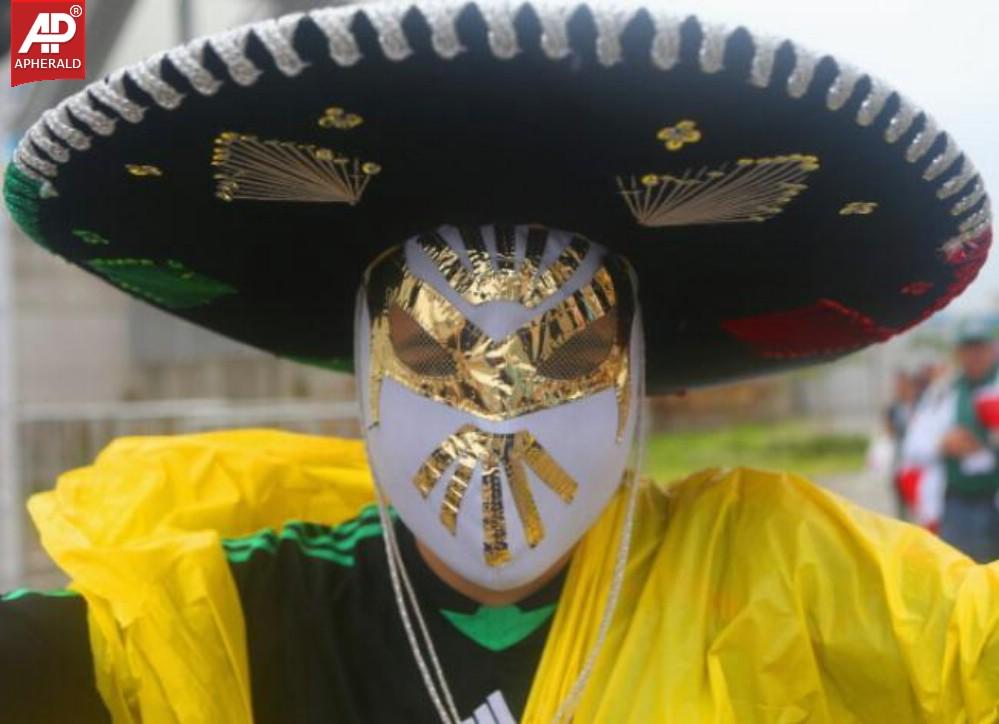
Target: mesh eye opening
x: 583, y: 353
x: 416, y: 349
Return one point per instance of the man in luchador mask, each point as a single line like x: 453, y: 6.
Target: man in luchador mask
x: 704, y: 204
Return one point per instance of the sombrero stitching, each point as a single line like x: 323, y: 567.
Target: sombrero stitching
x: 781, y: 208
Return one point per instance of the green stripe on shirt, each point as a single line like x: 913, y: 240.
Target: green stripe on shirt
x: 335, y: 544
x: 22, y: 592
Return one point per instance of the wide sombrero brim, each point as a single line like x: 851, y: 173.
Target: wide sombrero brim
x: 781, y: 209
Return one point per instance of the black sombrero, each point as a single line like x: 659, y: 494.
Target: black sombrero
x: 781, y: 208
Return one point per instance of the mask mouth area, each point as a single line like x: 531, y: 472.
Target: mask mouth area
x: 497, y: 456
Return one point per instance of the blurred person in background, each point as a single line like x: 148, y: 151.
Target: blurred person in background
x: 948, y: 466
x: 920, y: 476
x: 968, y: 447
x: 493, y: 554
x: 929, y: 374
x: 906, y: 393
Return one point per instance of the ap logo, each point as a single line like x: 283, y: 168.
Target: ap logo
x: 50, y: 29
x: 47, y: 41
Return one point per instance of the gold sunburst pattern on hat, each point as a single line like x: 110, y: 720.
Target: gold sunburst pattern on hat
x: 753, y: 189
x: 249, y: 168
x: 497, y: 455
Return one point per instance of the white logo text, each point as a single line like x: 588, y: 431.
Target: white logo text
x: 50, y: 29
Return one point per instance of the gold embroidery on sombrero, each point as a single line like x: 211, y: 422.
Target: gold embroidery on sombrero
x: 338, y: 118
x: 481, y: 279
x: 862, y: 208
x: 169, y: 284
x: 270, y: 170
x: 143, y: 169
x: 754, y: 189
x: 677, y: 136
x: 494, y: 453
x: 90, y: 237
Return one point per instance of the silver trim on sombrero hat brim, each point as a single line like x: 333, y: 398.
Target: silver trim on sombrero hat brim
x: 54, y: 137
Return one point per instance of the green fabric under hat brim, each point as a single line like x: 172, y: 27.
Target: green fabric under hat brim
x: 781, y: 209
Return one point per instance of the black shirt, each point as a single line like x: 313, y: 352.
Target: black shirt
x: 325, y: 639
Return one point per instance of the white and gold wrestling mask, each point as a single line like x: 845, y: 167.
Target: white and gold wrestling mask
x: 499, y: 370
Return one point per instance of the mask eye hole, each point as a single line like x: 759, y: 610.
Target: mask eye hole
x: 585, y: 352
x: 415, y: 348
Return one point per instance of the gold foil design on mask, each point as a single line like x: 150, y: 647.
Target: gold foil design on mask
x: 507, y: 277
x: 574, y: 350
x: 547, y: 469
x: 455, y: 493
x: 523, y: 499
x: 497, y: 455
x: 495, y: 549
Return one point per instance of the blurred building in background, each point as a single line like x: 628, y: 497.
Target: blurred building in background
x: 81, y: 364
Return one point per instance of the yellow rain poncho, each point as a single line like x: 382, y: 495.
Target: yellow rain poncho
x: 750, y: 596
